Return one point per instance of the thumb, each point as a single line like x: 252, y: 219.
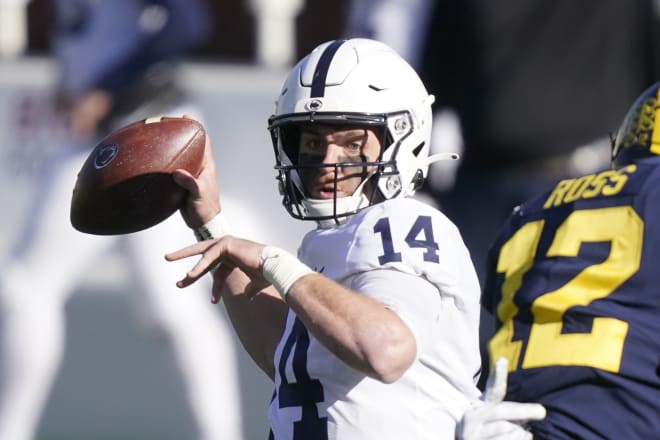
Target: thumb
x: 185, y: 180
x: 497, y: 381
x: 518, y: 412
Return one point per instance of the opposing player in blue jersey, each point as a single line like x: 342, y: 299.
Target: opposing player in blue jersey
x: 574, y: 283
x: 372, y: 331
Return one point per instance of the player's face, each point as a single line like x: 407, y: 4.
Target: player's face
x: 324, y: 145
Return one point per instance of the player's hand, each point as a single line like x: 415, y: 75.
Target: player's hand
x: 224, y: 254
x: 495, y: 419
x: 203, y: 201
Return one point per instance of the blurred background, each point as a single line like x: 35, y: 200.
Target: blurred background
x: 234, y: 36
x: 119, y: 378
x: 526, y: 91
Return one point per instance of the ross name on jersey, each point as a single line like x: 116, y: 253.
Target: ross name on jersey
x: 606, y: 183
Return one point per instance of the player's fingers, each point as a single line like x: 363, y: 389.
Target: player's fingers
x: 215, y: 296
x: 220, y: 274
x: 255, y: 286
x: 192, y: 250
x: 515, y: 412
x: 210, y: 260
x: 186, y: 281
x: 496, y: 383
x: 503, y: 430
x: 211, y: 253
x: 197, y: 272
x: 186, y: 181
x: 202, y: 267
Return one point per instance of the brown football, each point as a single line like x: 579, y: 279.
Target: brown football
x: 126, y: 184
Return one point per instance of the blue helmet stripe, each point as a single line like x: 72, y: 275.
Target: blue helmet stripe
x: 321, y: 72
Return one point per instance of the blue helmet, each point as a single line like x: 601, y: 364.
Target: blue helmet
x: 639, y: 134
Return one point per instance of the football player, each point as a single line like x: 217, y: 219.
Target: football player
x: 371, y: 332
x: 573, y: 282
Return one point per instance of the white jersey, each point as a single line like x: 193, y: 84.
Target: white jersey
x: 411, y: 258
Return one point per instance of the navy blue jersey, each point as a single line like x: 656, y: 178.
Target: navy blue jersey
x: 574, y: 281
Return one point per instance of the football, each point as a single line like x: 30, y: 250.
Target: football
x: 126, y: 184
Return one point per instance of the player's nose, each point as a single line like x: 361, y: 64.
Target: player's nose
x: 333, y: 154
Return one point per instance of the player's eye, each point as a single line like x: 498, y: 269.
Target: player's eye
x: 354, y: 147
x: 313, y: 145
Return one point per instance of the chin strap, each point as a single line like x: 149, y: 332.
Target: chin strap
x: 326, y: 207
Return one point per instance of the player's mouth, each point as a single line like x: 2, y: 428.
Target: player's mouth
x: 326, y: 191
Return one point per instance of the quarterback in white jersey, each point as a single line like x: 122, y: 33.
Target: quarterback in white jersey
x: 410, y: 258
x: 372, y: 331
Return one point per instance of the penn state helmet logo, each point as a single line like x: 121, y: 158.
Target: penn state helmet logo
x: 105, y: 155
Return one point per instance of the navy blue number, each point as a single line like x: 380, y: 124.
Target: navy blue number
x: 305, y: 392
x: 382, y: 227
x: 422, y: 226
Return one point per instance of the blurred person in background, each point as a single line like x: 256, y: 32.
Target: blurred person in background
x: 116, y: 62
x: 401, y: 24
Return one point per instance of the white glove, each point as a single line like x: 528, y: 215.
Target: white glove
x: 492, y: 418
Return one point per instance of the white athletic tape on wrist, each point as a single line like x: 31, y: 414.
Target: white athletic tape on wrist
x: 214, y: 228
x: 282, y: 269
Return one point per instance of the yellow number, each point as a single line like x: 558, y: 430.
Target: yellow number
x: 515, y: 259
x: 603, y: 346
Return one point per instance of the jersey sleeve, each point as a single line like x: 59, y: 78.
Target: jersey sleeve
x: 413, y: 299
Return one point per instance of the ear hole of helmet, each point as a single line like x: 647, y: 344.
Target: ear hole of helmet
x: 418, y: 149
x: 418, y: 180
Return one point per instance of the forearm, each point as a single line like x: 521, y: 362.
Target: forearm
x: 354, y: 327
x: 257, y: 320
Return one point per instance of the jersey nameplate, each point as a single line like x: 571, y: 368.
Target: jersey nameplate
x: 605, y: 183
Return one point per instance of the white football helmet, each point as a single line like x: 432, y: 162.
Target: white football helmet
x: 358, y: 82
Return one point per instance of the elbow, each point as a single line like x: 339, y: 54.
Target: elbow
x: 390, y: 362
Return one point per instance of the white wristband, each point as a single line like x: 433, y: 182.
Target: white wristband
x: 214, y: 228
x: 282, y: 269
